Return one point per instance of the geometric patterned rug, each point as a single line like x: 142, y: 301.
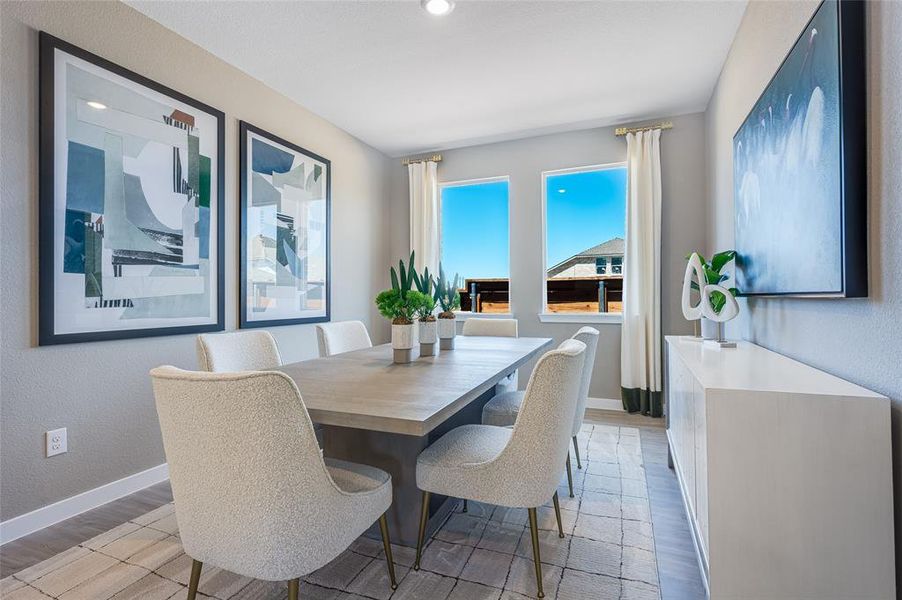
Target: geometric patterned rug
x: 485, y: 554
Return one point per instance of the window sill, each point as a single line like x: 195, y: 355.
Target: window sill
x: 611, y: 318
x: 464, y: 315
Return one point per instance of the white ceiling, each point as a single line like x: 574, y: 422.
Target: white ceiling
x: 406, y: 82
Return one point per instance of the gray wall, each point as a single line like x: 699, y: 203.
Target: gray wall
x: 101, y: 391
x: 859, y: 340
x: 683, y: 153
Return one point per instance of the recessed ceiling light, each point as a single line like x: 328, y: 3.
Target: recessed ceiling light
x: 97, y: 105
x: 438, y: 8
x: 561, y: 191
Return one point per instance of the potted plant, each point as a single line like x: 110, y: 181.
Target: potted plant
x: 713, y: 275
x: 399, y: 305
x: 449, y: 299
x: 428, y: 327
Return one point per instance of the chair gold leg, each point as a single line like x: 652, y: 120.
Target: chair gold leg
x: 424, y: 517
x: 196, y: 566
x: 293, y: 589
x: 579, y: 464
x: 569, y: 475
x: 386, y: 543
x: 534, y: 531
x: 557, y: 513
x: 465, y: 505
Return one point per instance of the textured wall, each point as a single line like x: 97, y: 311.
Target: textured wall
x: 101, y: 391
x: 683, y: 228
x: 859, y: 340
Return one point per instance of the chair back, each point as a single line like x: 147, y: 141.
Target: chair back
x: 237, y: 351
x: 343, y: 336
x: 252, y: 493
x: 588, y: 336
x: 490, y: 327
x: 541, y: 437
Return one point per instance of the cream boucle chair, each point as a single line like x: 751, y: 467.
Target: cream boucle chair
x: 490, y: 327
x: 237, y: 351
x: 503, y: 408
x: 517, y: 467
x: 495, y: 328
x: 344, y: 336
x: 252, y: 493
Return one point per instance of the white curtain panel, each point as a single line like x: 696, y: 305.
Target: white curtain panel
x: 640, y: 362
x: 424, y: 214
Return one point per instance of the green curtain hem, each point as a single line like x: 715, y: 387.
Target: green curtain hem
x: 639, y: 400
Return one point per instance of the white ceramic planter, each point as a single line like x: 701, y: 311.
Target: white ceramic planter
x: 403, y: 340
x: 447, y: 330
x: 428, y: 337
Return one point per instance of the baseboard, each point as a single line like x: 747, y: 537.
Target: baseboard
x: 51, y: 514
x: 605, y: 404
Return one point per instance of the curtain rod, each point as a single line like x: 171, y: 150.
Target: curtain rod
x: 620, y: 131
x: 433, y: 158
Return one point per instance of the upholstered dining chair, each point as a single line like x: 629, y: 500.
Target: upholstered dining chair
x: 515, y: 467
x: 237, y: 351
x: 503, y: 408
x: 343, y: 336
x: 495, y: 328
x: 252, y: 493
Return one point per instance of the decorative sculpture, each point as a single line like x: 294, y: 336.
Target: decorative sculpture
x: 716, y: 303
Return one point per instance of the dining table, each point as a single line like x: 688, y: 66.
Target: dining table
x: 375, y: 412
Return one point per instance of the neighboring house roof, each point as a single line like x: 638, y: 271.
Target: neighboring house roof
x: 570, y: 267
x: 612, y: 247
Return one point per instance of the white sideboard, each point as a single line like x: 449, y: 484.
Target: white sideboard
x: 786, y: 473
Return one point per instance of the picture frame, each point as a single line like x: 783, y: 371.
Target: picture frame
x: 800, y: 167
x: 285, y: 222
x: 131, y: 203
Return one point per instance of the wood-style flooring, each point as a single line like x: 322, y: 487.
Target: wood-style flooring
x: 678, y: 572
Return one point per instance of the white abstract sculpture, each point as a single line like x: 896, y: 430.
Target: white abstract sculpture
x: 705, y: 307
x: 694, y: 265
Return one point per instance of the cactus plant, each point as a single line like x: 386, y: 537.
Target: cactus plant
x: 425, y: 284
x: 446, y: 294
x: 401, y: 302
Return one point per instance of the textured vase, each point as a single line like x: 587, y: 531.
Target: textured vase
x: 428, y: 337
x: 403, y: 340
x: 447, y: 330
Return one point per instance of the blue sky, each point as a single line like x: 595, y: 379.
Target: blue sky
x: 590, y: 210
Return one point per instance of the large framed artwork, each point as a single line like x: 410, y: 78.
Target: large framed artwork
x: 285, y: 215
x: 131, y: 203
x: 799, y: 163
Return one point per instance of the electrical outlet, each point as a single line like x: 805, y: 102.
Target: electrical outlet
x: 56, y: 442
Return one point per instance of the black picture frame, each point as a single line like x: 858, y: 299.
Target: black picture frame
x: 853, y: 153
x: 243, y: 129
x: 48, y: 46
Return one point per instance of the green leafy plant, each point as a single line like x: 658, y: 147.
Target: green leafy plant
x: 446, y: 294
x: 426, y: 287
x: 400, y: 303
x: 713, y: 275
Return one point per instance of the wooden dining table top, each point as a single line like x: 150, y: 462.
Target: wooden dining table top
x: 364, y: 389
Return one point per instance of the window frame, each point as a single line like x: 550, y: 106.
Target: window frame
x: 464, y: 315
x: 550, y: 317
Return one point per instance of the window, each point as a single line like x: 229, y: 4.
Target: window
x: 475, y: 242
x: 600, y: 266
x: 585, y: 221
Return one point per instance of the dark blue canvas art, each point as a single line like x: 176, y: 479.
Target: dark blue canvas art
x: 789, y: 180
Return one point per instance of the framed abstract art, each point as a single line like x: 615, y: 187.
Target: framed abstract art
x: 285, y: 215
x: 131, y: 203
x: 799, y: 167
